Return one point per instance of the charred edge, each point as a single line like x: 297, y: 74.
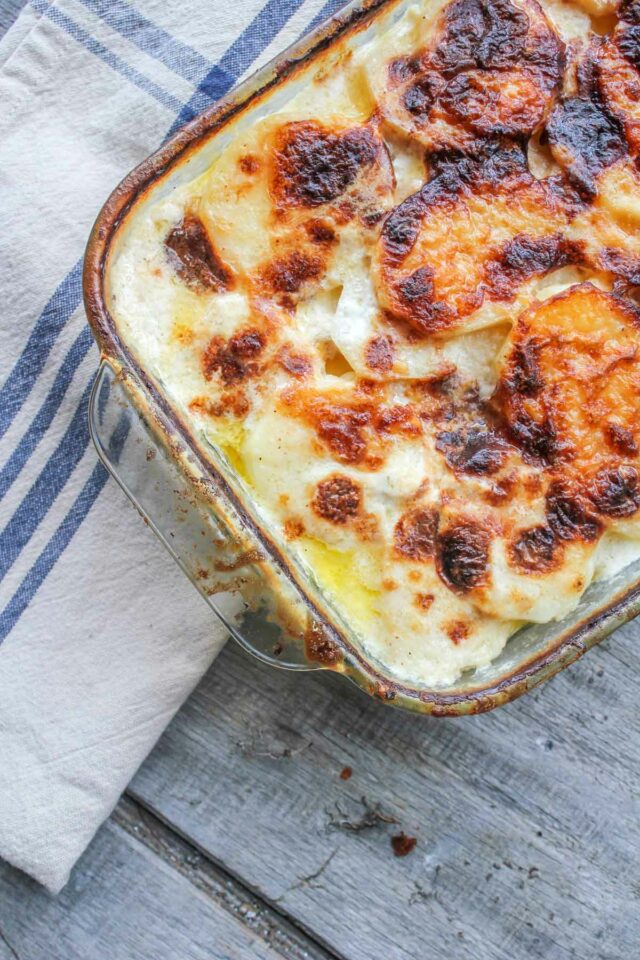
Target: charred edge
x: 622, y: 264
x: 586, y: 135
x: 524, y: 257
x: 194, y: 258
x: 538, y: 549
x: 628, y: 41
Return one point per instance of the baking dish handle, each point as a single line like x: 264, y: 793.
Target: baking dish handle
x: 189, y: 529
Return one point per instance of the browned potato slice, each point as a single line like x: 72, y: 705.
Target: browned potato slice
x: 475, y: 233
x: 491, y: 69
x: 569, y: 400
x: 618, y: 75
x: 598, y: 127
x: 570, y: 391
x: 277, y: 202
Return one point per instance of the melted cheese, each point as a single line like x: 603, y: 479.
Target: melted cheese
x: 412, y: 342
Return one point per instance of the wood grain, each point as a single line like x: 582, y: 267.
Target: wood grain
x: 526, y: 819
x: 140, y: 893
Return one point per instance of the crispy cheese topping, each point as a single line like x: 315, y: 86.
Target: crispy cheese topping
x: 402, y: 308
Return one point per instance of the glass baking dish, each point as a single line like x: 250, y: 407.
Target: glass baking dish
x: 184, y: 491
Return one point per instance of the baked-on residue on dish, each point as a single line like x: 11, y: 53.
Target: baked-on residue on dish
x: 403, y: 309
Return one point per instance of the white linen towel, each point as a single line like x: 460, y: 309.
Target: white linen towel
x: 101, y: 636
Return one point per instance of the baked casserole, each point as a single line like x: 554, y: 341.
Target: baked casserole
x: 401, y: 308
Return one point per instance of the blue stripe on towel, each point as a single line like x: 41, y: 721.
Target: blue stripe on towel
x: 31, y: 361
x: 52, y: 478
x: 241, y: 54
x: 152, y: 39
x: 327, y: 10
x: 103, y: 53
x: 44, y: 417
x: 62, y: 537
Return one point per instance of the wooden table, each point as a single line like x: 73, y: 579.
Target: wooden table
x: 241, y: 835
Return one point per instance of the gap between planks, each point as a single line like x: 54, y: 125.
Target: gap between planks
x: 273, y: 926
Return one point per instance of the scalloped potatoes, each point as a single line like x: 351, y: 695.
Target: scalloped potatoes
x: 403, y: 309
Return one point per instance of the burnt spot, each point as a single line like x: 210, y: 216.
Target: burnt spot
x: 484, y: 48
x: 629, y: 12
x: 537, y: 439
x: 288, y: 274
x: 249, y: 164
x: 423, y: 601
x: 614, y: 491
x: 417, y: 290
x: 342, y: 429
x: 378, y: 354
x: 414, y: 536
x: 533, y: 551
x: 481, y: 33
x: 293, y: 528
x: 321, y: 232
x: 621, y: 440
x: 585, y: 138
x: 400, y: 229
x: 320, y: 646
x: 314, y: 166
x: 414, y: 296
x: 629, y: 45
x: 337, y: 499
x: 477, y: 451
x: 622, y: 264
x: 402, y: 69
x: 525, y: 257
x: 420, y: 98
x: 462, y: 554
x: 296, y: 364
x: 194, y: 258
x: 525, y: 377
x: 457, y: 631
x: 569, y: 517
x: 235, y: 359
x: 233, y: 403
x: 400, y: 418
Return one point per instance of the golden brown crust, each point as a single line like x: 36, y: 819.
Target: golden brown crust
x: 490, y: 71
x: 475, y: 233
x: 478, y: 500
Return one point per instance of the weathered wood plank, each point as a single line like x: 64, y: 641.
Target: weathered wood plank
x: 140, y: 893
x: 527, y: 818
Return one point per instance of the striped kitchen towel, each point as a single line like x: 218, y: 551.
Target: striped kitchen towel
x: 101, y: 637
